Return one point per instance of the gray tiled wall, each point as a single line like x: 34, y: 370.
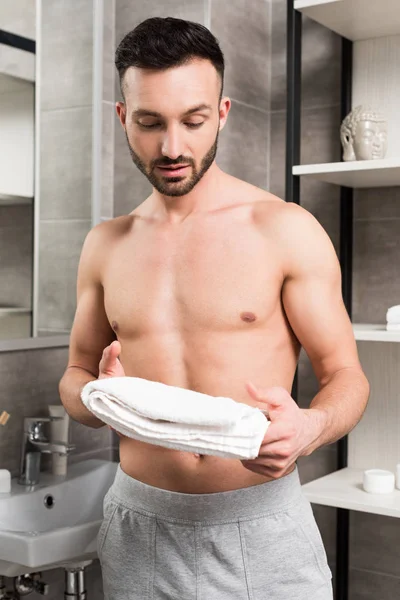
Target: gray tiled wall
x: 66, y: 108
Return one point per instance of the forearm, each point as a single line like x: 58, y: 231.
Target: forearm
x: 338, y: 407
x: 70, y: 387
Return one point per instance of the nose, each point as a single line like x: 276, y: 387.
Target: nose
x: 172, y: 145
x: 377, y: 142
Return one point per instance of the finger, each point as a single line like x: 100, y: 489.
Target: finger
x: 276, y: 432
x: 115, y: 349
x: 266, y: 471
x: 273, y: 395
x: 277, y: 451
x: 110, y: 355
x: 252, y: 390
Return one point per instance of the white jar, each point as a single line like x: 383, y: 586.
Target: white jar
x: 378, y: 481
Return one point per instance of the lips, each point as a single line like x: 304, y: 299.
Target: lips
x: 175, y: 170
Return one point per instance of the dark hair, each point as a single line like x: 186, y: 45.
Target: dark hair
x: 162, y: 43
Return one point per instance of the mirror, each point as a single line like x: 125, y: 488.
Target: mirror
x: 49, y: 145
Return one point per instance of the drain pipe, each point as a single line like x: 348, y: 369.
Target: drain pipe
x: 75, y: 584
x: 3, y: 591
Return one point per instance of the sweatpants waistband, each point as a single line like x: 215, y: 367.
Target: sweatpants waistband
x: 263, y: 499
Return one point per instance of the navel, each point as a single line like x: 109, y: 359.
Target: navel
x: 248, y: 317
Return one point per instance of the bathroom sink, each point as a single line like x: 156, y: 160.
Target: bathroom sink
x: 46, y: 525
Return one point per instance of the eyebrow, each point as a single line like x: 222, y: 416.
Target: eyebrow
x: 142, y: 112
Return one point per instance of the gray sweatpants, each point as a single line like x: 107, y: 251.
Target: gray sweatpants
x: 256, y: 543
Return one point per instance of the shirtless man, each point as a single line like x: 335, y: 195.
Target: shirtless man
x: 213, y: 285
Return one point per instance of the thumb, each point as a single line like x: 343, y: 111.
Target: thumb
x: 114, y: 349
x: 257, y: 397
x: 269, y: 399
x: 109, y: 360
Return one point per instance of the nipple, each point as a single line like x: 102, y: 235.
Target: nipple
x: 248, y: 317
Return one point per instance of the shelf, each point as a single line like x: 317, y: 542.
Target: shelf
x: 17, y: 63
x: 344, y: 489
x: 355, y: 174
x: 374, y: 333
x: 15, y: 322
x: 7, y: 311
x: 354, y: 19
x: 11, y: 200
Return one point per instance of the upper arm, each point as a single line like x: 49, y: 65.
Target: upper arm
x: 91, y: 331
x: 312, y: 295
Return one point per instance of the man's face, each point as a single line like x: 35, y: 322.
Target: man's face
x: 172, y: 118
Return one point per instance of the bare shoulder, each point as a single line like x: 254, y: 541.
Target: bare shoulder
x: 285, y: 218
x: 302, y: 241
x: 98, y: 242
x: 109, y: 231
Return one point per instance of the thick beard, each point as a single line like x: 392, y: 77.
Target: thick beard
x: 169, y: 188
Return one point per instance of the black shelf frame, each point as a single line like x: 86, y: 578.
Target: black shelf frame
x: 292, y: 194
x: 17, y: 41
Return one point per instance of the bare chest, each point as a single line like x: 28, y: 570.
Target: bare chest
x: 213, y: 278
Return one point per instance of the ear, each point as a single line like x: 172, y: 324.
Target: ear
x: 224, y: 108
x: 121, y: 112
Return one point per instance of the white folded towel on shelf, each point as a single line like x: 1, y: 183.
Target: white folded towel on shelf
x: 393, y: 327
x: 393, y: 314
x: 393, y: 318
x: 177, y: 418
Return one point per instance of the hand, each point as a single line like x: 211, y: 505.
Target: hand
x: 291, y: 432
x: 110, y: 366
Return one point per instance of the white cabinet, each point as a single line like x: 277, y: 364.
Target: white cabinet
x: 354, y: 19
x: 17, y: 116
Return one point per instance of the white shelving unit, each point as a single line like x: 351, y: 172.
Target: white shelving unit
x: 17, y: 122
x: 365, y: 332
x: 344, y: 489
x: 357, y: 174
x: 354, y: 19
x: 374, y: 442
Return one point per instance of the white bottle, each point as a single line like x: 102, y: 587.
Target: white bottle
x: 5, y: 481
x: 59, y: 433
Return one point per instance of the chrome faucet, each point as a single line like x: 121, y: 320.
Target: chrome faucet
x: 34, y: 444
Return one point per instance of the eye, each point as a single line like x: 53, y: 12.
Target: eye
x: 194, y: 125
x: 152, y: 126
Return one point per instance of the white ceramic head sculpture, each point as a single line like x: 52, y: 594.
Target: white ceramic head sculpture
x: 363, y: 134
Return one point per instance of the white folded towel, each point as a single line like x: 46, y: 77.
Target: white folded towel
x: 177, y: 418
x: 393, y: 314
